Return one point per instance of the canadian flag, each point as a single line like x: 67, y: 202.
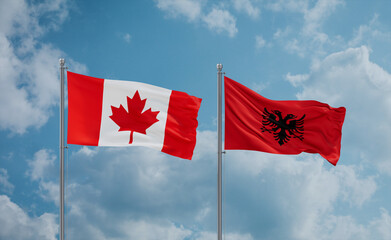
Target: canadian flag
x: 104, y: 112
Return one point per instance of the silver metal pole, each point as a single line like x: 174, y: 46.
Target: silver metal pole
x: 219, y: 151
x: 62, y: 68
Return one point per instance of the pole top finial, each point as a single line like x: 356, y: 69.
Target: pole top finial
x: 62, y: 61
x: 219, y: 67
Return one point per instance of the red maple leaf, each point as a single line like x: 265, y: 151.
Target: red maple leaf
x: 134, y: 120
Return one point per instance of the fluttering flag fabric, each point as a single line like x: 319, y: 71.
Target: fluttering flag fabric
x: 253, y: 122
x: 104, y: 112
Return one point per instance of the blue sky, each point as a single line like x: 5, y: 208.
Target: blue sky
x: 334, y: 51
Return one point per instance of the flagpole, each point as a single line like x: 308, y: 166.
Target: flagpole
x: 219, y: 151
x: 62, y: 68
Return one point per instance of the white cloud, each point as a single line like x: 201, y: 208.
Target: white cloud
x: 41, y: 165
x: 310, y: 39
x: 259, y: 42
x: 17, y: 225
x: 17, y: 112
x: 247, y: 7
x: 384, y: 166
x: 49, y: 191
x: 306, y: 192
x: 363, y: 30
x: 346, y: 227
x: 28, y: 68
x: 288, y: 5
x: 282, y: 33
x: 150, y: 231
x: 42, y: 169
x: 295, y: 80
x: 349, y: 70
x: 314, y: 17
x: 229, y: 236
x: 341, y: 227
x: 136, y: 189
x: 203, y: 213
x: 295, y: 46
x: 259, y: 87
x: 6, y: 186
x: 367, y: 33
x: 127, y: 37
x: 354, y: 190
x: 220, y: 20
x: 124, y: 191
x: 348, y: 78
x: 382, y: 225
x: 87, y: 151
x: 188, y: 8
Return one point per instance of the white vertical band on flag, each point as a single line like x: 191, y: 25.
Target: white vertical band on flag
x: 115, y: 93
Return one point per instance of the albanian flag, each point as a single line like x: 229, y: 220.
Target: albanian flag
x: 104, y: 112
x: 253, y: 122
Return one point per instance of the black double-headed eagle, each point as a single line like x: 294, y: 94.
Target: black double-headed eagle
x: 282, y: 128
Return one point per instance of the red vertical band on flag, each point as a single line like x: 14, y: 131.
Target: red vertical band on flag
x: 85, y: 96
x: 181, y: 125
